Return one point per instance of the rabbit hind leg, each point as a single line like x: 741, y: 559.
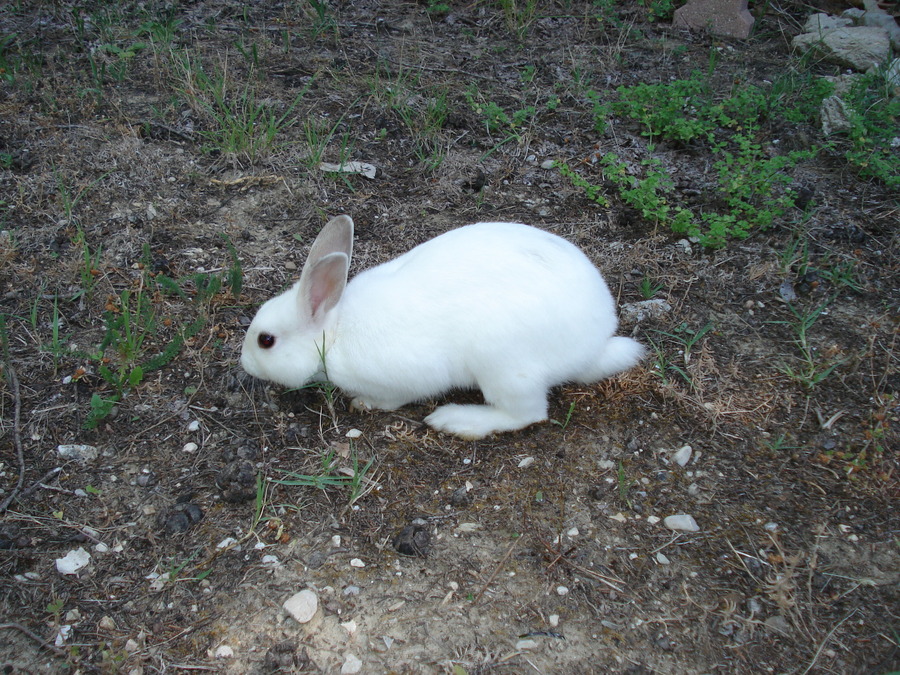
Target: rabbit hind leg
x: 504, y: 411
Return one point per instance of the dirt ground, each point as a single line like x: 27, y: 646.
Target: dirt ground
x: 125, y: 204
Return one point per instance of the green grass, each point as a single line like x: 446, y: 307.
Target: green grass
x: 330, y: 476
x: 237, y: 120
x: 649, y: 288
x: 812, y: 369
x: 131, y: 323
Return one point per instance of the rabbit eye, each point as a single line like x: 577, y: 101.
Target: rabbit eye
x: 266, y: 341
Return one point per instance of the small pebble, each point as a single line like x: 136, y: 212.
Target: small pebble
x: 194, y: 426
x: 73, y: 562
x: 302, y: 606
x: 190, y: 447
x: 548, y: 164
x: 525, y: 463
x: 356, y: 562
x: 553, y: 619
x: 351, y: 665
x: 662, y: 559
x: 683, y: 455
x: 224, y: 652
x: 682, y: 522
x: 562, y: 590
x: 523, y: 645
x: 77, y: 451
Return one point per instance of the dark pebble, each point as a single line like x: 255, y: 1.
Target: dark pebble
x: 413, y: 540
x: 180, y: 518
x: 237, y: 481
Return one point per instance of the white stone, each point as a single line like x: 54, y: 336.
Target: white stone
x: 349, y: 626
x: 553, y: 620
x: 336, y: 541
x: 190, y: 447
x: 351, y: 665
x: 682, y: 455
x: 73, y: 562
x: 662, y: 559
x: 562, y: 590
x: 302, y: 606
x: 356, y: 562
x: 525, y: 463
x: 548, y: 164
x: 682, y: 522
x: 524, y: 645
x: 194, y: 426
x: 353, y: 433
x: 620, y: 517
x: 224, y: 652
x: 77, y: 451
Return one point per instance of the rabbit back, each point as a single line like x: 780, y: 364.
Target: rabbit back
x: 485, y: 305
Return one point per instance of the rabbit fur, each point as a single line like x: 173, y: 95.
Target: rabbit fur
x: 503, y: 307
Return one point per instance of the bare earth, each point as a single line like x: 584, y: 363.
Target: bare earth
x: 537, y: 551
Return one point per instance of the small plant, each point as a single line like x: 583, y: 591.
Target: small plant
x: 568, y: 418
x: 130, y: 323
x: 89, y: 270
x: 323, y: 20
x: 874, y: 111
x: 811, y: 370
x: 687, y: 339
x: 499, y: 120
x: 237, y: 121
x: 624, y: 484
x: 593, y: 192
x: 659, y: 10
x: 649, y: 288
x: 519, y: 15
x: 330, y: 476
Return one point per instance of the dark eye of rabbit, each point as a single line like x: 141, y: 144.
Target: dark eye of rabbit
x: 266, y: 341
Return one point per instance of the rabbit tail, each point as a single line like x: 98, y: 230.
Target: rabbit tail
x: 619, y: 354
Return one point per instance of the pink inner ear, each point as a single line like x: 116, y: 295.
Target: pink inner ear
x: 326, y: 284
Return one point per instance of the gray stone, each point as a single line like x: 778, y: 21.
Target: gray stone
x: 857, y: 47
x: 729, y: 18
x: 875, y: 16
x: 835, y: 116
x: 824, y: 23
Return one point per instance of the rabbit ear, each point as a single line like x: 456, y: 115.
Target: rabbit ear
x: 335, y: 237
x: 325, y: 272
x: 321, y: 285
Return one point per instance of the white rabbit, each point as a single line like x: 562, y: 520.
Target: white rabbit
x: 504, y: 307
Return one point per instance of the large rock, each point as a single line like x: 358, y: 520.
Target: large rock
x: 857, y: 47
x: 729, y: 18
